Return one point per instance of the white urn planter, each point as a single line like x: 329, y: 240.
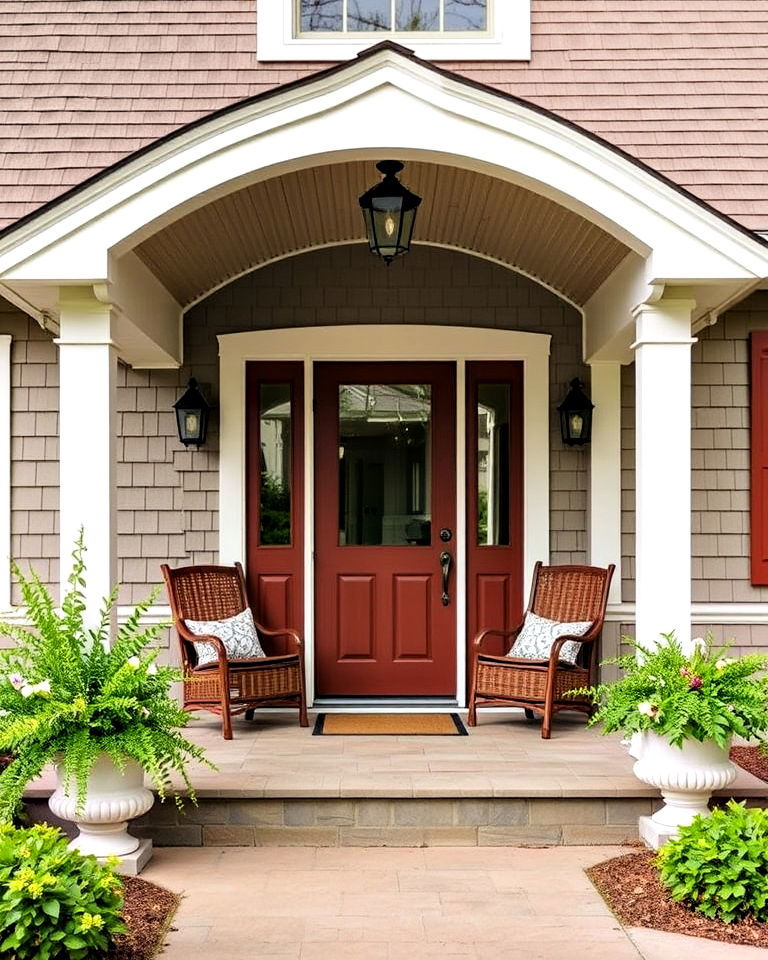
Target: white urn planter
x: 686, y: 776
x: 113, y: 798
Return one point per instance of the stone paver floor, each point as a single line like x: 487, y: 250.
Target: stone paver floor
x: 464, y: 903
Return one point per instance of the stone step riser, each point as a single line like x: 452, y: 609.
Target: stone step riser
x: 397, y: 822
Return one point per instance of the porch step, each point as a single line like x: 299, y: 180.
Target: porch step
x: 397, y: 822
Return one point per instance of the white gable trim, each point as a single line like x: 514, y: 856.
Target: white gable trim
x: 383, y: 104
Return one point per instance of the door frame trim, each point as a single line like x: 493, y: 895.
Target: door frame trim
x: 381, y: 343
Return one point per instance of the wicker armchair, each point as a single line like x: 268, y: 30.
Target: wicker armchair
x: 231, y: 687
x: 566, y: 594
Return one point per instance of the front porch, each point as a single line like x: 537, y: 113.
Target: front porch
x: 277, y: 785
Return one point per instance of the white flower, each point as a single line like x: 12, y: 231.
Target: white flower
x: 648, y: 709
x: 5, y: 713
x: 16, y: 680
x: 152, y: 669
x: 29, y: 689
x: 133, y: 662
x: 723, y: 662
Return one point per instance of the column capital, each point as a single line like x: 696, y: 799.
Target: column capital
x: 664, y: 321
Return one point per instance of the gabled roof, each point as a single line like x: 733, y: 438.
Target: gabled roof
x: 679, y: 84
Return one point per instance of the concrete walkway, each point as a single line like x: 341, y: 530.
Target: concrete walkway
x: 462, y: 903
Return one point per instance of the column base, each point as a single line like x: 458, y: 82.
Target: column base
x: 131, y: 864
x: 653, y: 834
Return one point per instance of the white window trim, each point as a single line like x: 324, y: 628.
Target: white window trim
x: 5, y: 470
x: 509, y: 37
x: 393, y: 342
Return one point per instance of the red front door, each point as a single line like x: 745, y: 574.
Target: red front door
x: 385, y: 520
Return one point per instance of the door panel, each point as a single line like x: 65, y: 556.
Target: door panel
x: 494, y: 497
x: 275, y: 498
x: 384, y: 485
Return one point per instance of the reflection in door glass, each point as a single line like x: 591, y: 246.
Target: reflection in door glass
x: 384, y: 464
x: 493, y: 463
x: 275, y: 437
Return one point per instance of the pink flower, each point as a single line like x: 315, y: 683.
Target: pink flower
x: 695, y: 683
x: 16, y: 680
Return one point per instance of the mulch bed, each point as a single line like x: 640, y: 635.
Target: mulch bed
x: 147, y: 912
x: 631, y: 887
x: 752, y: 760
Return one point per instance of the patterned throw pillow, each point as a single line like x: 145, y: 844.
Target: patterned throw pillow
x: 538, y: 634
x: 238, y: 634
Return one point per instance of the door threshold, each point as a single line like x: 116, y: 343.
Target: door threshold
x: 386, y: 704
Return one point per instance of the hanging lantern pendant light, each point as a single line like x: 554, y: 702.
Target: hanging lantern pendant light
x: 389, y: 211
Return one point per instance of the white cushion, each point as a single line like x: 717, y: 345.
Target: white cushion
x: 238, y: 634
x: 535, y: 640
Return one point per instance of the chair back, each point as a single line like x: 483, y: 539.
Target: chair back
x: 205, y: 592
x: 570, y: 593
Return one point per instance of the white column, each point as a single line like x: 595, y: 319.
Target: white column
x: 605, y: 472
x: 87, y: 441
x: 663, y: 469
x: 5, y: 471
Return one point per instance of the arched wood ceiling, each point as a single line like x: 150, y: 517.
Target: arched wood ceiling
x: 298, y: 211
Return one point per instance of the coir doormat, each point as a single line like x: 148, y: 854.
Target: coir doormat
x: 389, y: 725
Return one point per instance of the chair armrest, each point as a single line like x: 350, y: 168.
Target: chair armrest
x: 480, y: 639
x: 189, y: 637
x: 292, y: 635
x: 590, y: 636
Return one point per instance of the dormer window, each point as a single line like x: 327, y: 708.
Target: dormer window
x: 435, y: 29
x: 392, y: 17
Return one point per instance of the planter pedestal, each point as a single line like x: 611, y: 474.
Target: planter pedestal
x: 686, y: 776
x: 113, y: 798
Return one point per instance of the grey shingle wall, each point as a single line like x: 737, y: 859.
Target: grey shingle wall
x: 34, y: 444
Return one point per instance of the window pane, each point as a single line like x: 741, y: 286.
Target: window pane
x: 368, y: 15
x: 418, y: 14
x: 465, y: 15
x: 275, y: 437
x: 321, y: 14
x: 384, y: 464
x: 493, y: 463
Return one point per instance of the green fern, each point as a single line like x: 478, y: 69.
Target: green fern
x: 702, y: 696
x: 67, y: 695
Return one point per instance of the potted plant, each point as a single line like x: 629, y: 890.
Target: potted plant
x: 101, y: 711
x: 686, y: 705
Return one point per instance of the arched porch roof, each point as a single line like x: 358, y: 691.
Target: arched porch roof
x: 280, y: 173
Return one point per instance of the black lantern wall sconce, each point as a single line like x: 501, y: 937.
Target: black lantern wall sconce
x: 576, y: 416
x: 192, y: 411
x: 389, y: 211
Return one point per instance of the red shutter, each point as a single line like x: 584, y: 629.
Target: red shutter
x: 759, y: 407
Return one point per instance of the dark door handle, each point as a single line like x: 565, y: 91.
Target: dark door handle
x: 445, y: 565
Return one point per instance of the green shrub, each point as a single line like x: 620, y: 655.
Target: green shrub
x: 718, y: 865
x: 55, y: 904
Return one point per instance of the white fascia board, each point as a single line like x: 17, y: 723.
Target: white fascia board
x: 342, y: 116
x: 508, y: 37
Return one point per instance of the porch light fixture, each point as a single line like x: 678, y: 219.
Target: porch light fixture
x: 192, y: 411
x: 576, y: 416
x: 389, y: 211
